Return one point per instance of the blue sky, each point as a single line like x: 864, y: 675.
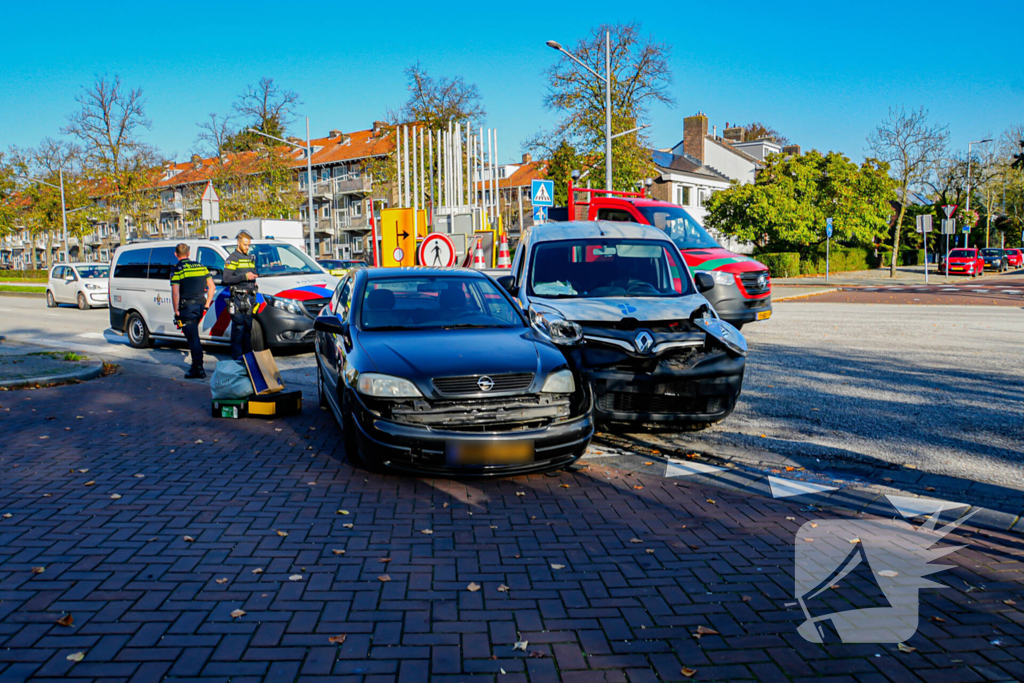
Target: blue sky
x: 822, y: 73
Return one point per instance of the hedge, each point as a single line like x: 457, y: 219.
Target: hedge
x: 789, y: 264
x: 908, y: 257
x: 785, y: 264
x: 24, y: 274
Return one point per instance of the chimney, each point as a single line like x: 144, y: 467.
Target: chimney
x: 197, y: 161
x: 334, y: 134
x: 714, y: 132
x: 527, y: 159
x: 791, y: 150
x: 736, y: 134
x: 695, y: 130
x: 378, y: 126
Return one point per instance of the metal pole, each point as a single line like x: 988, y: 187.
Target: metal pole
x: 64, y: 216
x: 398, y: 163
x: 608, y: 111
x: 309, y: 189
x: 828, y: 243
x: 497, y: 186
x: 415, y: 197
x: 924, y: 240
x: 522, y: 220
x: 405, y: 163
x: 430, y: 174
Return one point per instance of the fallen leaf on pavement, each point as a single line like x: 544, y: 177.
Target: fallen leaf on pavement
x: 537, y: 654
x: 258, y: 570
x: 295, y: 577
x: 427, y: 531
x: 444, y: 505
x: 635, y: 540
x: 888, y: 573
x: 189, y: 539
x: 938, y: 619
x: 383, y: 578
x: 746, y: 598
x: 791, y: 519
x: 650, y: 551
x: 282, y: 534
x: 140, y: 476
x: 520, y: 645
x: 336, y: 640
x: 115, y: 496
x: 688, y: 672
x: 473, y: 587
x: 197, y: 440
x: 385, y: 560
x: 906, y: 648
x: 90, y: 483
x: 38, y: 570
x: 1009, y: 602
x: 83, y: 471
x: 7, y: 515
x: 348, y: 526
x: 503, y: 588
x: 238, y: 613
x: 77, y: 657
x: 222, y: 581
x: 520, y: 493
x: 338, y: 551
x: 66, y: 620
x: 809, y: 540
x: 705, y: 631
x: 711, y: 501
x: 637, y: 487
x: 493, y: 527
x: 558, y: 566
x: 648, y: 463
x: 564, y: 486
x: 854, y: 540
x: 342, y: 512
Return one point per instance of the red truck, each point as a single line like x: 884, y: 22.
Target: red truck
x: 743, y: 286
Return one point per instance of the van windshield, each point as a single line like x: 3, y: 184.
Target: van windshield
x: 592, y: 268
x: 282, y: 259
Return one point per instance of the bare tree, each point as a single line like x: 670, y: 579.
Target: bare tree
x: 913, y: 148
x: 267, y: 107
x: 215, y: 134
x: 758, y: 130
x: 436, y: 102
x: 109, y: 125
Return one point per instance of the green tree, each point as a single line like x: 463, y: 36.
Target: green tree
x: 562, y: 162
x: 758, y: 130
x: 792, y: 196
x: 640, y: 77
x: 257, y: 184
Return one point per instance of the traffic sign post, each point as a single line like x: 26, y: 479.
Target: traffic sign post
x: 437, y: 251
x: 924, y: 226
x: 211, y: 205
x: 948, y: 228
x: 828, y: 240
x: 540, y: 215
x: 542, y: 192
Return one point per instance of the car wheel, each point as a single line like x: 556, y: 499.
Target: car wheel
x: 50, y: 301
x: 351, y: 443
x: 259, y: 340
x: 138, y: 333
x: 83, y: 303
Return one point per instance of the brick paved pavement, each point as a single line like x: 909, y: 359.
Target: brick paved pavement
x: 148, y: 605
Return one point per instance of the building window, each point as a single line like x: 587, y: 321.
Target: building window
x: 683, y: 195
x: 357, y: 208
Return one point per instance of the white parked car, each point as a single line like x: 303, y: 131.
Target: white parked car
x: 84, y: 284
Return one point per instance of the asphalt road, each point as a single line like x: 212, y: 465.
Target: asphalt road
x: 935, y: 387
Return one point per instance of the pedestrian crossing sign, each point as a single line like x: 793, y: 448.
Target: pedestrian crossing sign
x: 542, y: 192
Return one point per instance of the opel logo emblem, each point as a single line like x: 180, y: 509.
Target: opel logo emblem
x: 643, y: 341
x: 485, y: 383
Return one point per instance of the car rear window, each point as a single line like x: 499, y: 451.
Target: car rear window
x: 962, y: 253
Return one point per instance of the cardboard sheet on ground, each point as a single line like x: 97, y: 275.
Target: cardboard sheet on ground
x: 266, y: 378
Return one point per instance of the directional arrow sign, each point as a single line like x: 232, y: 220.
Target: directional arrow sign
x: 398, y: 241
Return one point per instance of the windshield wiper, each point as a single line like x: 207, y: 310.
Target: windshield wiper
x: 467, y: 327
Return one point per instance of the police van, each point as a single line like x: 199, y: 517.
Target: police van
x: 292, y: 290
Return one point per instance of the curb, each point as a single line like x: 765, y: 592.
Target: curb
x: 92, y: 371
x: 37, y: 295
x: 804, y: 296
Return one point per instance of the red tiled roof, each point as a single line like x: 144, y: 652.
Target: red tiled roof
x: 535, y: 170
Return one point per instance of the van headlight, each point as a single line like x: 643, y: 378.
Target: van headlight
x: 290, y: 305
x: 722, y: 278
x: 551, y: 323
x: 386, y: 386
x: 560, y: 382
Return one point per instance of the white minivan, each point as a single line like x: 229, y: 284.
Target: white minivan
x: 292, y: 290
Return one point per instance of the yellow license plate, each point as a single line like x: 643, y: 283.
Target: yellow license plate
x: 481, y: 453
x: 764, y: 315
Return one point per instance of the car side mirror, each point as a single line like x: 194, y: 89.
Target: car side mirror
x: 508, y: 283
x: 331, y: 324
x: 217, y: 275
x: 704, y: 281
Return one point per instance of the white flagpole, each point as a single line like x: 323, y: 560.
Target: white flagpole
x: 497, y: 185
x: 415, y: 193
x: 405, y: 163
x: 398, y: 162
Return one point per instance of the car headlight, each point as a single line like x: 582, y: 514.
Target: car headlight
x: 386, y: 386
x: 560, y: 382
x: 88, y: 286
x: 290, y: 305
x: 722, y: 278
x: 556, y: 327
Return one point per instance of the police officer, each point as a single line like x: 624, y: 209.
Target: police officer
x: 240, y: 276
x: 192, y: 293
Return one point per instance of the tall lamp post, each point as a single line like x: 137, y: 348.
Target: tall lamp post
x: 309, y: 176
x: 63, y: 207
x: 970, y: 159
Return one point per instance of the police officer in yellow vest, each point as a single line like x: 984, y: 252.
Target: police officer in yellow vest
x: 240, y: 276
x: 192, y: 293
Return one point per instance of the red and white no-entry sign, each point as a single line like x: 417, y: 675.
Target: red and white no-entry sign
x: 437, y: 251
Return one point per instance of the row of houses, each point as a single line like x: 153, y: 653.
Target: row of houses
x: 344, y: 192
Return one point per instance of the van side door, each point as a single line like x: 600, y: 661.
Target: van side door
x: 211, y: 326
x: 158, y: 291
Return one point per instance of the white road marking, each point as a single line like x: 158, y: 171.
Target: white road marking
x: 92, y: 335
x: 784, y: 488
x: 1005, y: 291
x: 685, y: 469
x: 917, y: 507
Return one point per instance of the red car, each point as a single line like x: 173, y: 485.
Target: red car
x: 1014, y: 257
x: 966, y: 262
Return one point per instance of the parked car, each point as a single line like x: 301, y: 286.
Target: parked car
x: 439, y: 372
x: 653, y: 347
x: 340, y: 267
x: 995, y: 259
x: 1015, y: 257
x: 84, y: 284
x: 966, y: 261
x: 292, y: 290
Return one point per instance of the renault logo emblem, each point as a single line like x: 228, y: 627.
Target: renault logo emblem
x: 643, y: 341
x: 485, y: 383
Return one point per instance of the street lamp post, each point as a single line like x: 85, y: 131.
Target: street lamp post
x: 970, y: 158
x: 309, y: 177
x: 63, y: 207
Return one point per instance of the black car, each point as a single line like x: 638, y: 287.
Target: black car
x: 438, y: 371
x: 995, y: 259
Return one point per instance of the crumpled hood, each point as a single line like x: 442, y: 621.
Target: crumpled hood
x: 614, y: 309
x: 425, y: 354
x: 720, y: 259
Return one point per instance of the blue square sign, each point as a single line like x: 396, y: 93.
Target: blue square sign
x: 542, y: 192
x: 540, y: 214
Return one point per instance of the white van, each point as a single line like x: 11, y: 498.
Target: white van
x: 292, y: 290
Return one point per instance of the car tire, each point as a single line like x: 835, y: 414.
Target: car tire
x: 50, y: 301
x: 349, y: 440
x: 137, y: 332
x: 258, y: 339
x: 83, y: 303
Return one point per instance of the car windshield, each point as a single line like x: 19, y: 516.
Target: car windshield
x: 94, y: 272
x: 992, y: 252
x: 431, y: 302
x: 961, y: 253
x: 591, y: 268
x: 282, y: 259
x: 680, y: 227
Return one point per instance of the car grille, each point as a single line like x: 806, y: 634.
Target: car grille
x: 313, y: 306
x: 751, y: 283
x: 468, y: 384
x: 627, y: 402
x: 491, y: 414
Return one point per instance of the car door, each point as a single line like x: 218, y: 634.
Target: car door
x: 332, y: 347
x: 57, y: 283
x: 158, y: 290
x: 212, y: 326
